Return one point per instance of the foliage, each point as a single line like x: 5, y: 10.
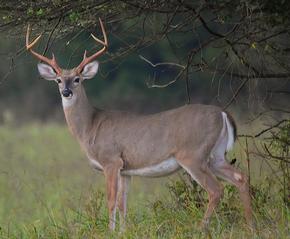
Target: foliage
x: 281, y: 140
x: 278, y: 150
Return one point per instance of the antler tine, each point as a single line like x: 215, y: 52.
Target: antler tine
x: 86, y: 59
x: 105, y: 42
x: 28, y: 46
x: 51, y: 62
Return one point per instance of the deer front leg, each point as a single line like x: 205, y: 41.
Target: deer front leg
x: 112, y: 175
x: 122, y: 200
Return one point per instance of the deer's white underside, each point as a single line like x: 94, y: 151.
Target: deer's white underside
x: 164, y: 168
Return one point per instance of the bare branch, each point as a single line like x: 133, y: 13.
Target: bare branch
x: 264, y: 130
x: 162, y: 63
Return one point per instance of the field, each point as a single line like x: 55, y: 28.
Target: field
x: 48, y: 190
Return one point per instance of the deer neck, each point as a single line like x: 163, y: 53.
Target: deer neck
x: 78, y: 113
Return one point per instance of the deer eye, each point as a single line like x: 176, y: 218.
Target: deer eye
x: 58, y: 81
x: 76, y: 80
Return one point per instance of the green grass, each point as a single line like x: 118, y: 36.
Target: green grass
x: 48, y: 190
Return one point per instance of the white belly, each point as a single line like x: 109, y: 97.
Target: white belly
x: 162, y: 169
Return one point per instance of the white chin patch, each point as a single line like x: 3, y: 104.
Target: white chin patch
x: 68, y: 101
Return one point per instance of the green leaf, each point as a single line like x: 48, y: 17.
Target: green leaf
x: 74, y: 17
x: 30, y: 11
x: 254, y: 45
x: 39, y: 12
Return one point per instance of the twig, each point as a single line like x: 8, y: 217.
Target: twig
x: 164, y: 64
x: 259, y: 76
x: 248, y: 162
x: 263, y: 131
x: 236, y: 93
x: 50, y: 35
x: 186, y: 77
x: 284, y: 159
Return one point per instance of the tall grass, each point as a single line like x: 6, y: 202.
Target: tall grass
x: 47, y: 190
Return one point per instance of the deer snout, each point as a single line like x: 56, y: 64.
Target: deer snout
x: 67, y: 93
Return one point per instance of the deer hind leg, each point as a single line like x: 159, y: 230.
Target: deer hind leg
x: 112, y: 175
x: 201, y: 173
x: 221, y: 168
x: 122, y: 200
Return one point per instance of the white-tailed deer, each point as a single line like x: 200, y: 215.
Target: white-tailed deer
x: 121, y: 144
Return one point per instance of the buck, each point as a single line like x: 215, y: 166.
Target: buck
x: 121, y: 144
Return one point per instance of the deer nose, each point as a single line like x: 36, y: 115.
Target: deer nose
x: 67, y: 92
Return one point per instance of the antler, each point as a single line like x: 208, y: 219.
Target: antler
x: 86, y: 59
x: 51, y: 62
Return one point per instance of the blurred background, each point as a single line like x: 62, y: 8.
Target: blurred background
x: 162, y: 54
x: 124, y: 83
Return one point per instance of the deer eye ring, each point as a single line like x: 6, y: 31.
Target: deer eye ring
x: 58, y: 81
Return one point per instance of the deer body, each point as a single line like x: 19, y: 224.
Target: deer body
x: 121, y: 144
x: 141, y: 141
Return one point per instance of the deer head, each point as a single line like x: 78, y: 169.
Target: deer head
x: 68, y: 80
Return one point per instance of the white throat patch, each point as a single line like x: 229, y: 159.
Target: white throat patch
x: 68, y: 102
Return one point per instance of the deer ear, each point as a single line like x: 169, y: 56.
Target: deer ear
x: 90, y: 70
x: 46, y: 71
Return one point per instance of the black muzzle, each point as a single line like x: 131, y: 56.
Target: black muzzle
x: 67, y: 93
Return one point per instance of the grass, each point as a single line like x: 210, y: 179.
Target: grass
x: 48, y: 190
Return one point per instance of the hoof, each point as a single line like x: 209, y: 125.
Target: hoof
x: 252, y: 226
x: 204, y: 226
